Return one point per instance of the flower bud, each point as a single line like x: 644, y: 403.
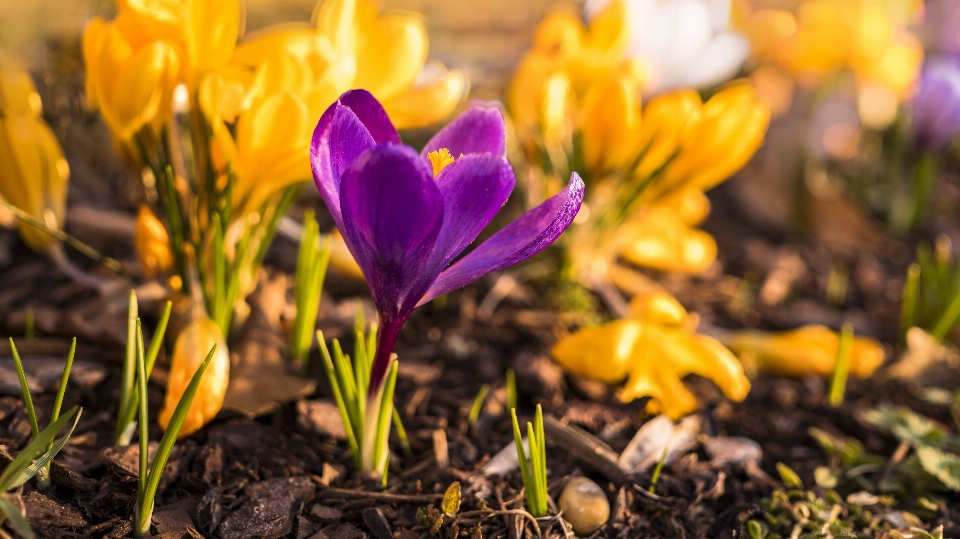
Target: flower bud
x: 192, y: 346
x: 152, y: 244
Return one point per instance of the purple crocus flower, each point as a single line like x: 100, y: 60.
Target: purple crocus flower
x: 936, y: 107
x: 406, y: 216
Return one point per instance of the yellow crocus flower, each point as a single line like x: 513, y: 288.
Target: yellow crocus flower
x: 134, y: 62
x: 129, y: 80
x: 804, y: 351
x: 353, y: 45
x: 732, y: 126
x: 33, y: 171
x: 665, y: 237
x: 191, y: 348
x: 653, y: 349
x: 152, y: 244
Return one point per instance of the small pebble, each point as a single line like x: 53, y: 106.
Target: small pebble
x: 584, y: 505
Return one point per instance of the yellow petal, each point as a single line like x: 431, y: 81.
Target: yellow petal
x: 732, y: 128
x: 393, y: 53
x: 152, y: 244
x: 668, y: 119
x: 805, y: 351
x: 212, y: 30
x: 420, y: 106
x: 336, y: 19
x: 149, y: 20
x: 192, y: 346
x: 609, y: 124
x: 660, y: 239
x: 659, y: 308
x: 18, y: 95
x: 272, y: 141
x: 609, y: 31
x: 602, y: 352
x: 296, y: 39
x: 35, y: 171
x: 667, y: 393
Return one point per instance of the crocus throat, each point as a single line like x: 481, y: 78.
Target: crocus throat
x: 440, y: 159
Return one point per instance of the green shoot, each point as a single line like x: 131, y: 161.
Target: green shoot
x: 149, y: 478
x: 931, y: 293
x: 533, y: 464
x: 129, y: 397
x: 43, y: 477
x: 908, y: 306
x: 401, y: 433
x: 478, y: 404
x: 837, y: 285
x: 29, y: 324
x: 841, y: 367
x: 511, y: 389
x: 366, y: 418
x: 34, y: 458
x: 657, y: 470
x: 25, y: 388
x: 312, y: 261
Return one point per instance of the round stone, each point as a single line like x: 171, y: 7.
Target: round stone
x: 584, y: 505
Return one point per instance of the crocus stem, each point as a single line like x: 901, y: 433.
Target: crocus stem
x: 387, y: 337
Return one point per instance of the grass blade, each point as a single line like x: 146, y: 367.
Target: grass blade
x: 478, y: 404
x: 338, y: 395
x: 841, y: 368
x: 127, y: 376
x: 35, y: 448
x: 144, y: 415
x: 25, y: 388
x: 45, y: 459
x: 15, y: 519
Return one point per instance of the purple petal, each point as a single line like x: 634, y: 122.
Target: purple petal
x: 392, y: 214
x: 372, y: 114
x: 356, y: 122
x: 474, y: 188
x: 478, y: 130
x: 516, y: 242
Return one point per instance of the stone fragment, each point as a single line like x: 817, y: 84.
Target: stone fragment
x: 584, y: 505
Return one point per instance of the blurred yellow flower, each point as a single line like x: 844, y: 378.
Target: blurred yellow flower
x: 191, y: 348
x: 33, y: 171
x: 576, y: 105
x: 871, y: 38
x: 804, y: 351
x: 353, y: 45
x: 152, y: 244
x: 653, y: 350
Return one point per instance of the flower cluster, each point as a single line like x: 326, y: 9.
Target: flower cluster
x: 577, y: 105
x: 576, y: 100
x: 222, y: 128
x: 823, y: 38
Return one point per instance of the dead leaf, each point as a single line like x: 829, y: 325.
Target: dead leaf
x: 646, y: 447
x: 261, y: 377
